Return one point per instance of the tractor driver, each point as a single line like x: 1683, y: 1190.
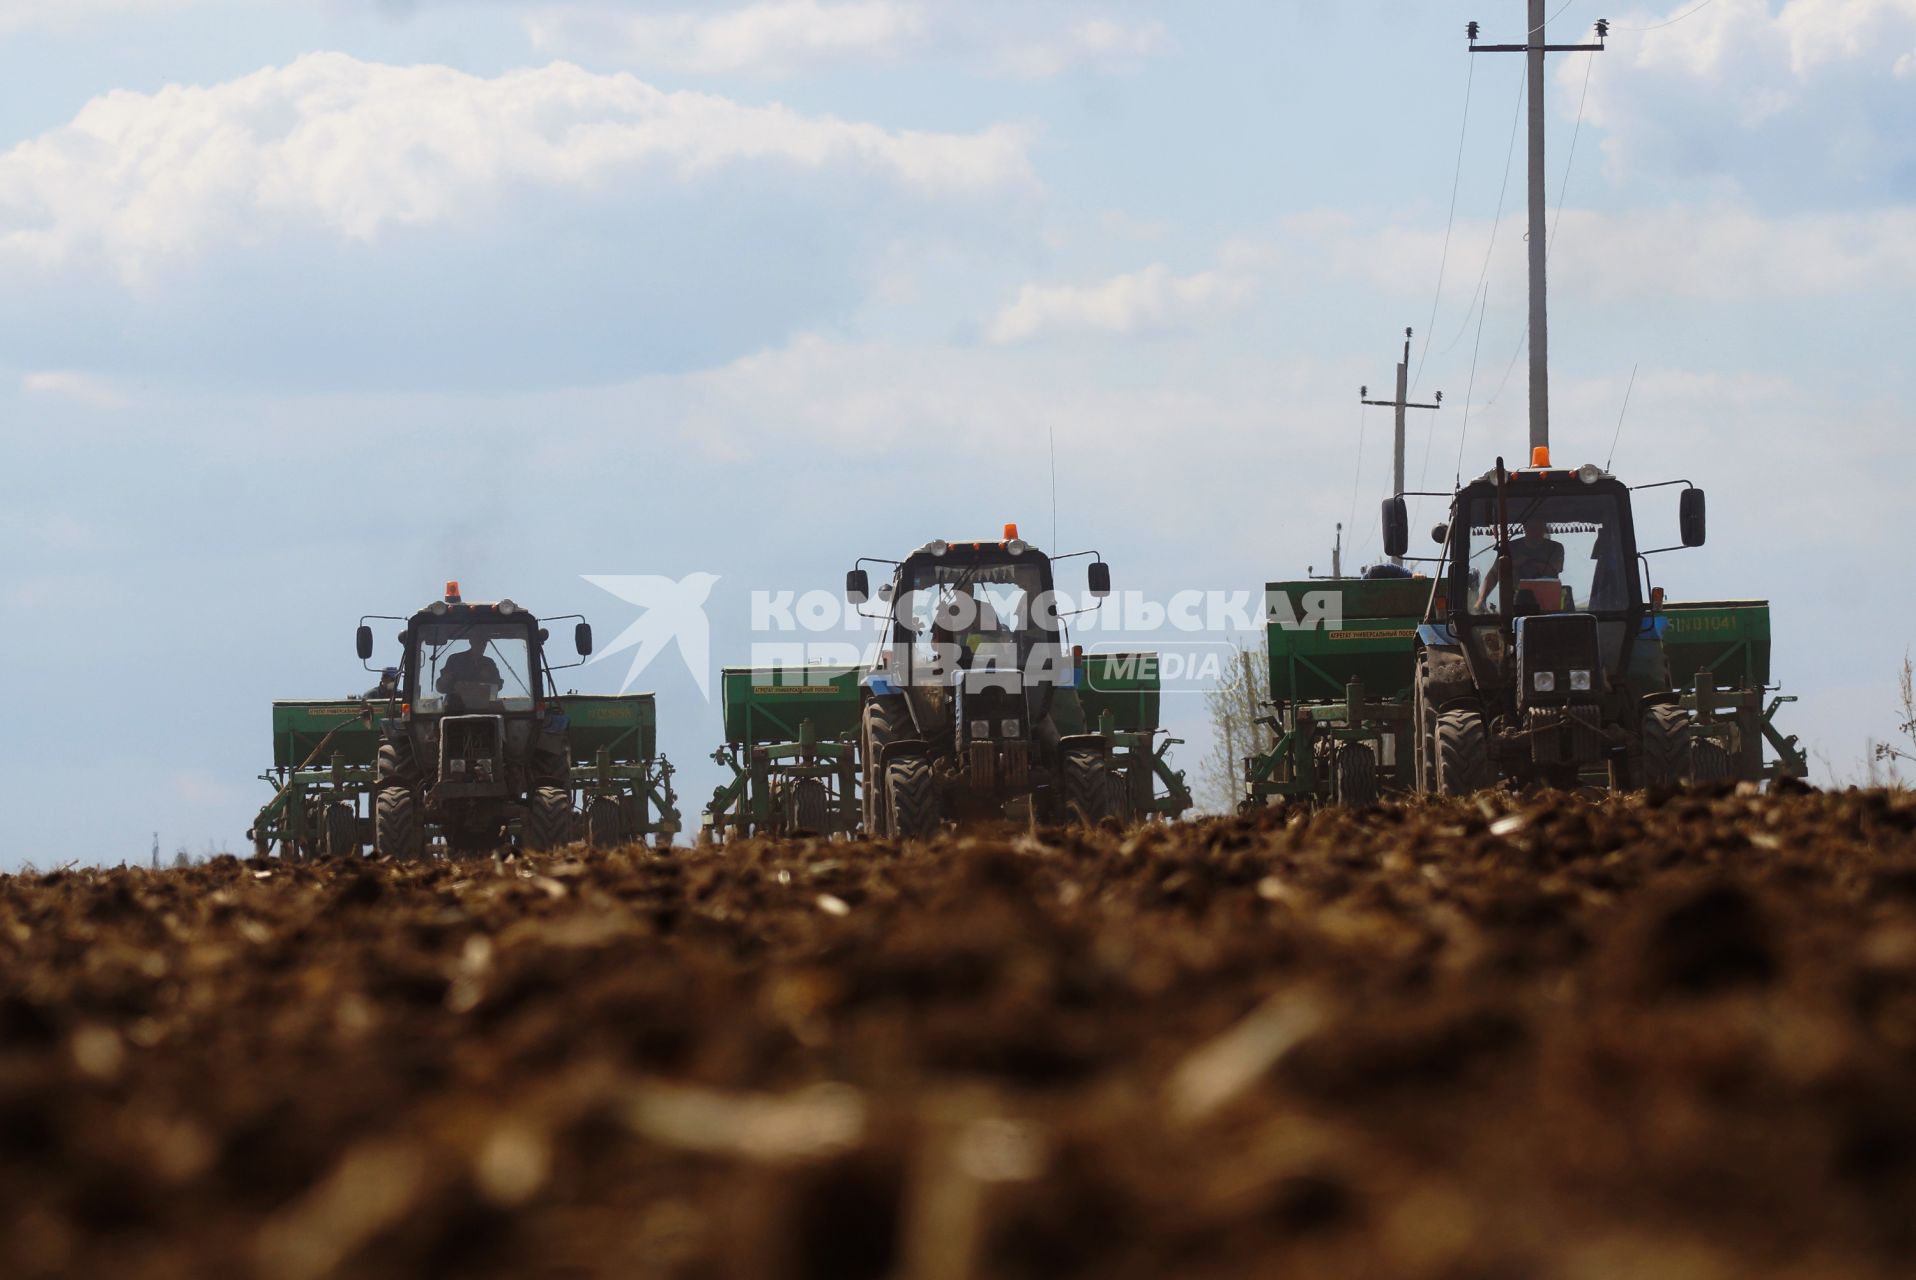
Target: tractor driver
x: 468, y: 667
x: 1535, y: 556
x: 989, y: 630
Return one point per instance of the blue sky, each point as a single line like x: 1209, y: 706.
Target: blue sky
x: 306, y: 308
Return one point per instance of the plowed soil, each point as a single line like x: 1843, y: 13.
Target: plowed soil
x: 1672, y: 1037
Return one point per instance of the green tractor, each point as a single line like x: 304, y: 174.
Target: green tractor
x: 1540, y: 658
x: 971, y: 711
x: 479, y: 744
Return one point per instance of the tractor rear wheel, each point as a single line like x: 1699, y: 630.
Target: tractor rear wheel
x: 911, y: 799
x: 1087, y: 787
x: 341, y: 832
x: 811, y: 813
x: 1463, y: 753
x: 604, y: 823
x: 1356, y: 776
x: 885, y: 721
x: 548, y: 819
x: 397, y: 831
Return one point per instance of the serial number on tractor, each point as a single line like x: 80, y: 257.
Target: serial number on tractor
x: 1393, y: 633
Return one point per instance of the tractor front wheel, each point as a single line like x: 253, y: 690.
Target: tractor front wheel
x: 885, y: 721
x: 397, y: 831
x: 911, y: 799
x: 1667, y: 743
x: 548, y: 819
x: 1087, y: 787
x: 1463, y: 753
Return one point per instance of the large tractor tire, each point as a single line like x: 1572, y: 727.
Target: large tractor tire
x: 341, y: 830
x: 548, y: 819
x: 550, y: 769
x: 398, y: 832
x: 1087, y: 787
x: 885, y: 721
x: 1423, y: 728
x: 1463, y: 753
x: 811, y: 813
x: 396, y: 766
x: 1356, y: 776
x: 604, y: 823
x: 911, y: 799
x: 1667, y: 739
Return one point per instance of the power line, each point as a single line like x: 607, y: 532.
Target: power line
x: 1503, y: 192
x: 1553, y: 17
x: 1563, y: 193
x: 1626, y: 408
x: 1456, y: 180
x: 1570, y: 160
x: 1465, y: 434
x: 1480, y: 299
x: 1658, y: 26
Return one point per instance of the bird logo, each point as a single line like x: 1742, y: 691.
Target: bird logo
x: 674, y: 614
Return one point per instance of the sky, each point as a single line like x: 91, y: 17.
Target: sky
x: 308, y: 307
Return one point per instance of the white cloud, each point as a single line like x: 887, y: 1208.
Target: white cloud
x: 785, y: 37
x: 1141, y: 300
x: 1096, y: 42
x: 1722, y: 93
x: 74, y: 387
x: 354, y: 148
x: 771, y: 37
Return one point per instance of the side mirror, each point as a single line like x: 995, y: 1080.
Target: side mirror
x: 365, y: 642
x: 1690, y: 517
x: 1396, y: 527
x: 858, y: 586
x: 1100, y: 579
x: 1440, y: 534
x: 582, y: 638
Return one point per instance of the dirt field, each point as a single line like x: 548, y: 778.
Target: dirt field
x: 1664, y: 1039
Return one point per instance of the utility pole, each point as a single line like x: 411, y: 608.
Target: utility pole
x: 1534, y: 48
x: 1401, y: 403
x: 1337, y: 552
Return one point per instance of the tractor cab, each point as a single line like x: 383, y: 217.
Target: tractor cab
x: 1544, y: 557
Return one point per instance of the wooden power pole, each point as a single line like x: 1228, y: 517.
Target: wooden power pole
x: 1400, y: 404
